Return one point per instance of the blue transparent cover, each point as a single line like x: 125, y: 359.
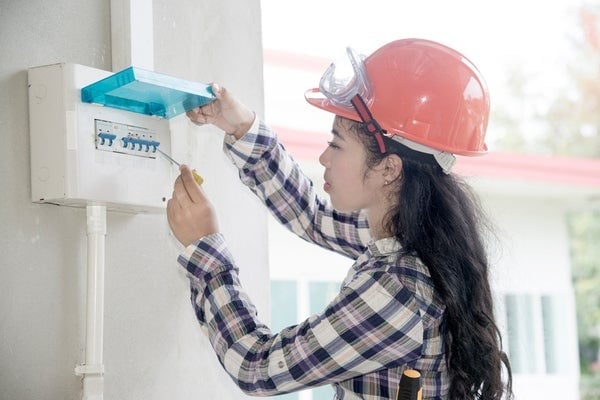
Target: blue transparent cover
x: 146, y: 92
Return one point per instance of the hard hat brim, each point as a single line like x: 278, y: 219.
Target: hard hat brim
x: 315, y: 98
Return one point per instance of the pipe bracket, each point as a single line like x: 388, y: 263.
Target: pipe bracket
x: 83, y: 369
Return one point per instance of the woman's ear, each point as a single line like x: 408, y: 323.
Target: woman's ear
x: 392, y: 168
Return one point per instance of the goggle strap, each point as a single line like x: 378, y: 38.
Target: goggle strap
x: 372, y: 125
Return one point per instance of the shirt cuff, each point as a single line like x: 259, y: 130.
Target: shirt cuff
x: 231, y: 139
x: 250, y: 148
x: 206, y: 257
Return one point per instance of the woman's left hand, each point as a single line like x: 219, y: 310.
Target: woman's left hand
x: 190, y: 214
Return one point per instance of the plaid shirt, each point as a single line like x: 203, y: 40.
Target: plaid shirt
x: 386, y: 317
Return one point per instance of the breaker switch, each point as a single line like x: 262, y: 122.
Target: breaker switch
x: 127, y: 139
x: 104, y: 137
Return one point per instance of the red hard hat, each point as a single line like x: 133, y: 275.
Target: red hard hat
x: 425, y: 92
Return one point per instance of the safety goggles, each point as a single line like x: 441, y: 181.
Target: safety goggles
x: 346, y: 84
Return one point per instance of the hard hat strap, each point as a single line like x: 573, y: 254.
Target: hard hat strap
x: 371, y: 123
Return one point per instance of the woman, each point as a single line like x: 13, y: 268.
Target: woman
x: 418, y: 294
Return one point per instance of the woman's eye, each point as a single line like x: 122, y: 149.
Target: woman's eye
x: 333, y: 145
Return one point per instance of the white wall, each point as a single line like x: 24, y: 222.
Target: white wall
x: 153, y: 347
x: 532, y: 259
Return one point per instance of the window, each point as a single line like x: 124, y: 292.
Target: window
x: 521, y: 333
x: 539, y: 332
x: 556, y: 333
x: 283, y: 304
x: 292, y: 301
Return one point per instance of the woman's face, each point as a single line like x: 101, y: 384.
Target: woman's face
x: 347, y: 180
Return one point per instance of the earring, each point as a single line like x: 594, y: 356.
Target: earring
x: 386, y: 182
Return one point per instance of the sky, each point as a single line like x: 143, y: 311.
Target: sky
x: 489, y: 33
x: 532, y: 35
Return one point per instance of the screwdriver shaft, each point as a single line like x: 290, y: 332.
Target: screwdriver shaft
x: 168, y: 157
x: 199, y: 180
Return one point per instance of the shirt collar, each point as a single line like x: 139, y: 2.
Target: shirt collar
x: 385, y: 246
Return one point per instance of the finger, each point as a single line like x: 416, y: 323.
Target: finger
x: 175, y: 201
x: 194, y: 192
x: 174, y: 216
x: 193, y: 116
x: 201, y: 115
x: 180, y: 193
x: 224, y: 98
x: 195, y: 112
x: 210, y: 112
x: 217, y: 90
x: 171, y: 210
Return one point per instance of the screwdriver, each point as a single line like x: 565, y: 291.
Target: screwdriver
x: 196, y: 175
x: 410, y: 386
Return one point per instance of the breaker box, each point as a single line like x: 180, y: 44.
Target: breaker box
x: 88, y: 153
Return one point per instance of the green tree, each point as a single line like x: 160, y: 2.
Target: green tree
x: 564, y: 122
x: 573, y: 120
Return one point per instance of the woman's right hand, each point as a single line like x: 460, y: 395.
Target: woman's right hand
x: 190, y: 214
x: 225, y: 112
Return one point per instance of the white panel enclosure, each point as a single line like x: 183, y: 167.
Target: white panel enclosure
x: 76, y: 159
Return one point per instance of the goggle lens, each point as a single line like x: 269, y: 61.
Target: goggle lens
x: 344, y: 79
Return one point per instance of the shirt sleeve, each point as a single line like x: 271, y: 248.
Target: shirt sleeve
x: 374, y: 323
x: 270, y: 172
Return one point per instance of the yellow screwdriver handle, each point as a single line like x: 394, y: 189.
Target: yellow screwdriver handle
x: 197, y: 178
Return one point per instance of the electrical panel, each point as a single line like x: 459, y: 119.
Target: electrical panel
x: 86, y: 153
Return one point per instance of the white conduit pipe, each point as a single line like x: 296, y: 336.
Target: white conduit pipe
x: 93, y: 369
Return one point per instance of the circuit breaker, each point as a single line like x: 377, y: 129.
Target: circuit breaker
x: 99, y: 151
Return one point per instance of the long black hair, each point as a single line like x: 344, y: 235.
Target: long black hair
x: 438, y: 217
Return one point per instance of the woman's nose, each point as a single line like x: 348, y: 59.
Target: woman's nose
x: 323, y: 158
